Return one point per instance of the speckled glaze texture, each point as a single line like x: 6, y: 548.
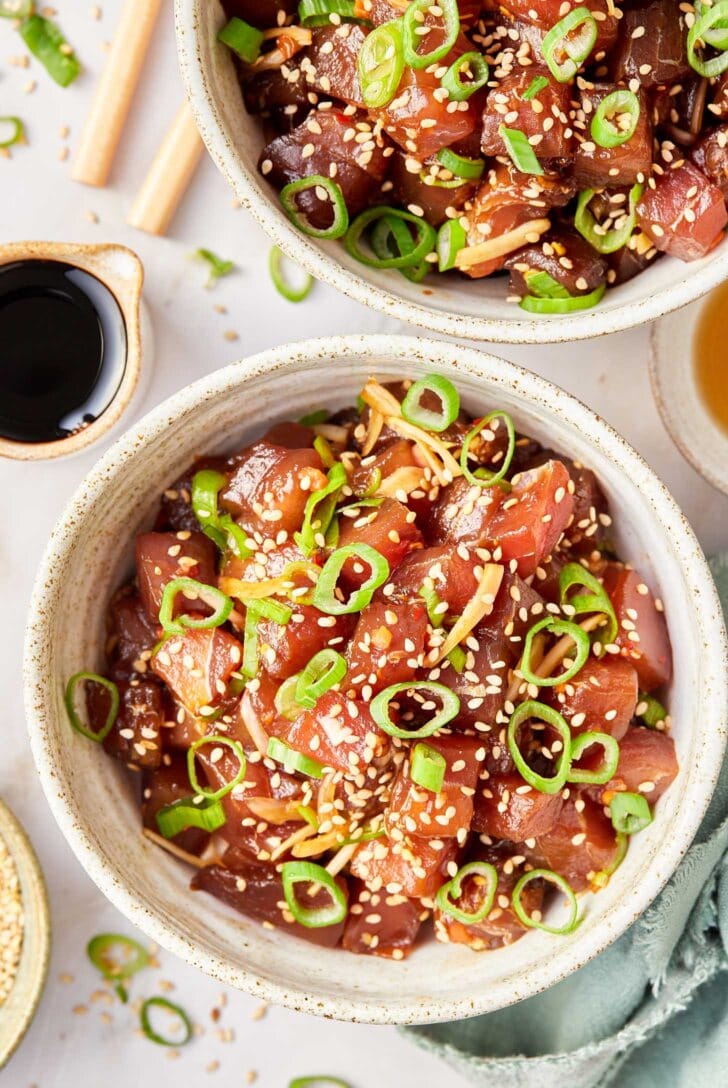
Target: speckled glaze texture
x: 92, y: 798
x: 451, y: 305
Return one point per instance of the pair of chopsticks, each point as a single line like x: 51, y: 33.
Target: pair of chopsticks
x: 180, y: 151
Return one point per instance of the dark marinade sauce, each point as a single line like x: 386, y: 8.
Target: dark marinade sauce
x: 62, y: 350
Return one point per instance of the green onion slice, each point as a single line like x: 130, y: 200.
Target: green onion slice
x: 457, y: 658
x: 700, y: 32
x: 544, y: 713
x: 717, y: 35
x: 460, y: 165
x: 555, y: 626
x: 429, y: 420
x: 606, y: 241
x: 314, y: 418
x: 423, y: 243
x: 324, y: 594
x: 520, y: 151
x: 450, y: 706
x: 285, y: 699
x: 630, y: 813
x: 608, y: 769
x: 564, y: 887
x: 294, y: 762
x: 622, y: 103
x: 117, y: 958
x: 217, y: 267
x: 325, y: 189
x: 189, y: 812
x: 465, y: 76
x: 391, y: 237
x: 597, y: 600
x: 282, y: 284
x: 562, y: 305
x: 70, y: 700
x: 222, y: 606
x: 414, y: 23
x: 48, y: 45
x: 320, y: 12
x: 325, y: 669
x: 535, y: 87
x: 220, y: 528
x: 451, y: 238
x: 319, y: 510
x: 255, y: 610
x: 568, y: 44
x: 323, y: 1081
x: 453, y: 889
x: 244, y: 40
x: 542, y: 284
x: 651, y: 711
x: 484, y: 477
x: 17, y: 131
x: 427, y: 768
x: 181, y: 1031
x: 216, y: 740
x: 380, y: 64
x: 306, y: 872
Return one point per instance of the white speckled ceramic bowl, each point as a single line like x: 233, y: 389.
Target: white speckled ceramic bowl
x: 449, y: 304
x: 92, y: 798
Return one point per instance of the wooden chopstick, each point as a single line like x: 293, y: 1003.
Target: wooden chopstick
x: 103, y: 128
x: 169, y: 175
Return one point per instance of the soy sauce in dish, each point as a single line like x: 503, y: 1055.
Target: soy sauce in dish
x: 710, y: 356
x: 62, y: 350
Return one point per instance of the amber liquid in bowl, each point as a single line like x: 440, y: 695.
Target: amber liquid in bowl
x: 710, y: 356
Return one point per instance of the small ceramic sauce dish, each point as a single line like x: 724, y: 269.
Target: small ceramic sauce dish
x: 74, y: 331
x: 689, y: 374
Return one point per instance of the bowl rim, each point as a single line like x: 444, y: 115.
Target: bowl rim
x: 538, y: 392
x: 248, y: 189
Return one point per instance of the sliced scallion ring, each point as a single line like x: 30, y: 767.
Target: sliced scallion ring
x: 244, y: 40
x: 218, y: 741
x: 483, y: 477
x: 16, y: 134
x: 391, y: 237
x: 630, y: 813
x: 414, y: 21
x: 221, y: 605
x: 520, y: 151
x: 465, y: 76
x: 427, y: 767
x: 292, y: 761
x: 651, y: 711
x: 320, y: 12
x: 118, y: 958
x: 450, y: 706
x: 48, y: 45
x: 323, y: 1081
x: 220, y: 528
x: 190, y: 812
x: 70, y: 700
x: 606, y: 241
x: 319, y: 510
x: 380, y: 64
x: 534, y: 88
x: 608, y: 769
x: 597, y: 600
x: 544, y: 713
x: 554, y: 626
x: 479, y: 870
x: 325, y: 189
x: 568, y: 44
x: 451, y: 238
x: 324, y: 594
x: 423, y: 244
x: 620, y: 103
x: 276, y: 266
x: 285, y: 699
x: 709, y: 18
x: 542, y: 284
x: 182, y: 1035
x: 255, y: 610
x: 325, y: 669
x: 563, y: 886
x: 460, y: 165
x: 563, y: 305
x: 306, y: 872
x: 429, y: 420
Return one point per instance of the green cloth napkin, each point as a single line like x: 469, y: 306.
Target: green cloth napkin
x: 651, y: 1010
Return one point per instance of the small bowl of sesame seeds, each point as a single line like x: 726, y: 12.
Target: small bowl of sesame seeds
x: 24, y: 933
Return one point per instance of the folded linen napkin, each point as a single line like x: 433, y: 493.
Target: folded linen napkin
x: 650, y: 1010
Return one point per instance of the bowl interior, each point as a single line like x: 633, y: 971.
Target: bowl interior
x: 448, y: 304
x: 94, y: 799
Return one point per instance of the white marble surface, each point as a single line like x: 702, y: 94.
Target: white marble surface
x: 38, y: 200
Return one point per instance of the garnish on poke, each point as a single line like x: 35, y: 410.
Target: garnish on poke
x: 569, y: 145
x: 381, y: 674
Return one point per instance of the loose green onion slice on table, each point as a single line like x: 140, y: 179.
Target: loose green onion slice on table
x: 562, y: 305
x: 325, y: 669
x: 217, y: 741
x: 117, y: 958
x: 651, y: 711
x: 568, y: 44
x: 602, y: 239
x: 306, y: 872
x: 484, y: 477
x: 427, y: 768
x: 520, y: 151
x: 244, y: 40
x: 284, y: 287
x: 425, y: 692
x: 414, y: 21
x: 709, y: 19
x: 181, y: 1028
x: 322, y: 1081
x: 217, y: 267
x: 630, y: 813
x: 596, y: 601
x: 380, y: 64
x: 324, y: 189
x: 554, y: 626
x: 70, y: 700
x: 255, y: 610
x: 603, y: 774
x: 292, y: 761
x: 190, y: 812
x: 460, y: 165
x: 563, y: 886
x: 319, y: 510
x: 48, y: 45
x: 606, y: 131
x: 480, y: 871
x: 542, y: 284
x: 16, y: 132
x: 221, y: 605
x: 324, y: 594
x: 423, y: 243
x: 465, y: 76
x: 427, y: 418
x: 320, y: 12
x: 535, y: 87
x: 543, y: 713
x: 451, y: 238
